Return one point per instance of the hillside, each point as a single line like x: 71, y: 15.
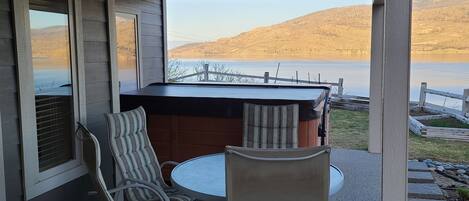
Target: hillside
x: 47, y: 54
x: 440, y: 28
x: 50, y: 45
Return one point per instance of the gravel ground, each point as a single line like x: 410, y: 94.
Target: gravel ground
x: 448, y: 186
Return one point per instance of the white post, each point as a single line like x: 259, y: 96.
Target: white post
x: 340, y: 88
x: 465, y: 103
x: 396, y: 85
x: 206, y: 72
x: 266, y: 77
x: 423, y: 94
x: 376, y: 82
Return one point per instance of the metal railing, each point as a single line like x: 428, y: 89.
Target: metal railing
x: 204, y: 76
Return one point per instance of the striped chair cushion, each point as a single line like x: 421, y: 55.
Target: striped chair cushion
x: 133, y: 152
x: 268, y: 126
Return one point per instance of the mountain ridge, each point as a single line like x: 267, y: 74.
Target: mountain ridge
x: 440, y: 28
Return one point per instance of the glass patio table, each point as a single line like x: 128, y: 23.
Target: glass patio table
x: 204, y: 178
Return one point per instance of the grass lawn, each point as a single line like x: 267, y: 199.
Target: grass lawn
x: 349, y: 130
x: 447, y: 122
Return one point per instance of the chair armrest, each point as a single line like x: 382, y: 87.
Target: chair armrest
x: 169, y: 163
x: 158, y: 191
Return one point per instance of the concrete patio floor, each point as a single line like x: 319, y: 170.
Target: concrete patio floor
x: 362, y: 172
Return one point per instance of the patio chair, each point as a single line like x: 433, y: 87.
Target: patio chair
x: 135, y: 156
x: 277, y: 174
x: 92, y: 158
x: 270, y: 126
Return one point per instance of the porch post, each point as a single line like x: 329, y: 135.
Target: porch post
x: 376, y: 81
x: 396, y: 83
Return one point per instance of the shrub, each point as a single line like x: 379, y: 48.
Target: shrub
x: 464, y: 193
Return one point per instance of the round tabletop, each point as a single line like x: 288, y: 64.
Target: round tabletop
x: 204, y: 177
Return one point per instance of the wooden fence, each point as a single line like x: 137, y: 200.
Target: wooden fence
x: 205, y: 75
x: 464, y: 97
x: 441, y: 112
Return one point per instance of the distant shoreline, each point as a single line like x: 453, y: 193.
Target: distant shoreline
x: 437, y: 58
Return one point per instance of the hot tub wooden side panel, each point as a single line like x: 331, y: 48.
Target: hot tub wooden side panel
x: 180, y: 138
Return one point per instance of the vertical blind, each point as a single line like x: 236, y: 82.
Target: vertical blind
x: 54, y: 130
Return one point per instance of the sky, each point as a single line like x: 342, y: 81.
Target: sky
x: 208, y: 20
x: 40, y: 19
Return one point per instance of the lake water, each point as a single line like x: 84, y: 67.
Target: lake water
x: 451, y: 77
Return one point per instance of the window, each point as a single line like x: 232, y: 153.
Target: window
x: 53, y: 87
x: 49, y: 94
x: 127, y: 51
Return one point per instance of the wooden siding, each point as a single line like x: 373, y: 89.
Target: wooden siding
x: 72, y: 191
x: 97, y: 76
x: 96, y: 53
x: 151, y: 21
x: 9, y: 104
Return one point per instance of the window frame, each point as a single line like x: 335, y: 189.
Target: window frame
x: 165, y: 41
x: 2, y: 166
x: 138, y: 47
x: 36, y: 182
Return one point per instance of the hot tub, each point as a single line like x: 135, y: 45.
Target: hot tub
x: 189, y: 120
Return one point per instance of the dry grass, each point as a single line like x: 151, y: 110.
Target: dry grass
x: 436, y: 149
x: 349, y: 129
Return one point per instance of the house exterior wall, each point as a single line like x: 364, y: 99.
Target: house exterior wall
x: 9, y: 104
x: 97, y: 64
x: 152, y: 37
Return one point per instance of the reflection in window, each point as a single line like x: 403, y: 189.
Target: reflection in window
x: 50, y: 42
x: 126, y: 26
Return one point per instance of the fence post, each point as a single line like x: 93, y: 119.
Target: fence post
x: 465, y: 103
x: 340, y: 89
x: 296, y: 77
x: 206, y: 72
x: 266, y: 77
x: 423, y: 94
